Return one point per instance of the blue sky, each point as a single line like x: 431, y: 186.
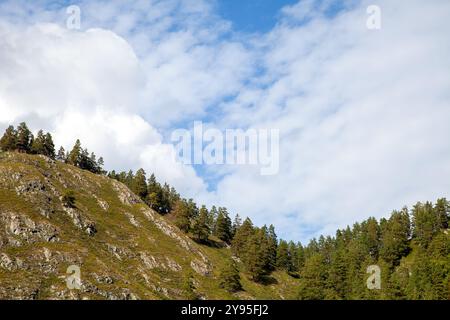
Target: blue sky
x: 361, y: 132
x: 252, y: 15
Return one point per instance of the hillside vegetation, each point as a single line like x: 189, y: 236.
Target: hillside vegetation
x: 124, y: 249
x: 134, y: 238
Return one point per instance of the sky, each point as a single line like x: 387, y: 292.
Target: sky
x: 363, y: 114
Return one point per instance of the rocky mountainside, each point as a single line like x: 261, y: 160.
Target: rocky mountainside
x: 122, y: 248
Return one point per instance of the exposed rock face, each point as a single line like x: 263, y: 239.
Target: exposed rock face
x: 125, y: 195
x: 102, y: 203
x: 168, y: 229
x: 133, y: 220
x: 26, y: 229
x: 119, y: 252
x: 19, y: 292
x: 151, y: 262
x: 81, y: 221
x: 201, y: 267
x: 10, y: 264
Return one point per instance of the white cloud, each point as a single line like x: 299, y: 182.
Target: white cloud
x: 363, y: 114
x: 85, y: 85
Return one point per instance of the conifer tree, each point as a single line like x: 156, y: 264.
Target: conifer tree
x: 442, y: 210
x: 182, y: 215
x: 61, y: 156
x: 49, y: 146
x: 200, y: 227
x: 255, y: 259
x: 300, y: 256
x: 283, y: 258
x: 139, y: 184
x: 426, y: 223
x: 395, y: 237
x: 24, y: 138
x: 154, y: 198
x: 223, y: 226
x: 75, y: 155
x: 314, y: 278
x: 213, y: 213
x: 8, y: 142
x: 272, y: 247
x: 242, y: 235
x: 229, y: 278
x: 38, y: 143
x: 236, y: 224
x: 293, y: 253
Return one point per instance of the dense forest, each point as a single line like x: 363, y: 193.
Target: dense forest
x: 411, y: 247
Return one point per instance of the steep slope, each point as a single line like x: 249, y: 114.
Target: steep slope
x: 124, y: 249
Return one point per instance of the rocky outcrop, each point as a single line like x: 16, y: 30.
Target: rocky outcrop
x: 80, y: 221
x: 25, y: 229
x: 201, y: 267
x: 119, y: 253
x: 125, y: 195
x: 151, y: 262
x: 133, y: 220
x: 10, y: 263
x: 102, y: 203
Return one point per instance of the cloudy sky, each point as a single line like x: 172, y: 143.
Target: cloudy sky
x: 363, y: 114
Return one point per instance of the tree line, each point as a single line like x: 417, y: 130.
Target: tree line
x: 257, y: 248
x: 411, y: 247
x: 22, y: 140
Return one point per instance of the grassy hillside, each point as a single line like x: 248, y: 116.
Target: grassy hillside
x: 123, y: 248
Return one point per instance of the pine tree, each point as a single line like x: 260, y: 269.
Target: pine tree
x: 61, y: 156
x: 229, y: 278
x: 213, y: 213
x: 395, y: 237
x: 8, y: 142
x: 38, y: 143
x: 223, y: 226
x: 272, y: 247
x: 101, y: 163
x: 182, y: 215
x: 255, y: 259
x: 49, y: 146
x: 426, y: 223
x: 442, y: 210
x: 313, y: 279
x: 241, y: 237
x: 236, y: 224
x: 139, y: 184
x: 300, y: 256
x: 337, y: 278
x: 24, y: 138
x: 155, y: 196
x: 293, y: 253
x: 200, y: 227
x: 371, y: 237
x: 75, y: 155
x: 284, y: 261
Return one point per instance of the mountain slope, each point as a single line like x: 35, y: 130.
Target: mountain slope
x: 124, y: 249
